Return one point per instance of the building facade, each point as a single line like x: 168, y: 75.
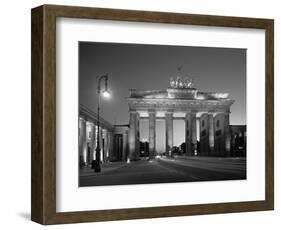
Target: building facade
x: 205, y: 116
x: 113, y: 138
x: 238, y: 140
x: 88, y: 134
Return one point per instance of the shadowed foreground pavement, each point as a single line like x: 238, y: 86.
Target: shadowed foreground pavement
x: 166, y: 170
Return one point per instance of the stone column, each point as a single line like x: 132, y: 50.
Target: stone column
x: 188, y: 142
x: 92, y: 141
x: 96, y: 140
x: 108, y: 146
x: 227, y: 134
x: 82, y: 141
x: 101, y: 144
x: 169, y: 132
x: 219, y: 134
x: 137, y: 151
x: 211, y: 133
x: 132, y: 135
x: 120, y: 146
x: 124, y: 147
x: 204, y: 134
x: 111, y: 146
x: 105, y: 151
x: 152, y: 134
x: 193, y: 131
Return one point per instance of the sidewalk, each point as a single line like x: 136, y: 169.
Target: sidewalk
x: 203, y: 158
x: 105, y: 167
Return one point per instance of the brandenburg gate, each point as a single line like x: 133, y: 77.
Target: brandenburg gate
x: 205, y: 115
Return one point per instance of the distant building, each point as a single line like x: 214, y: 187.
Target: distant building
x: 238, y: 140
x: 113, y: 138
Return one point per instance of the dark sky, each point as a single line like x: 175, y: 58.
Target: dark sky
x: 150, y: 67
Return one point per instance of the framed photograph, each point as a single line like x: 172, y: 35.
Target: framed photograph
x: 140, y: 114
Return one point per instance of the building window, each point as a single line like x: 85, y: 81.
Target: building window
x: 218, y: 132
x: 218, y: 123
x: 203, y: 133
x: 203, y: 123
x: 187, y: 124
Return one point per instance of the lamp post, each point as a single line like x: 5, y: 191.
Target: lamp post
x: 106, y: 94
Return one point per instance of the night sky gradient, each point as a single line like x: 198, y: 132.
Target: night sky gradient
x: 141, y: 66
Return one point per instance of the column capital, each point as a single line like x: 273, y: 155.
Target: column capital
x: 169, y: 111
x: 90, y: 123
x: 204, y: 114
x: 187, y: 114
x: 169, y: 114
x: 82, y: 118
x: 151, y: 111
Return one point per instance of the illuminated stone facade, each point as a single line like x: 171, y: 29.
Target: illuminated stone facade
x: 206, y: 117
x: 88, y: 135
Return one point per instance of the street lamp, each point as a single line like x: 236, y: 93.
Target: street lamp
x: 106, y: 94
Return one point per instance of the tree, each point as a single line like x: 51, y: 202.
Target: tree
x: 175, y: 149
x: 183, y: 147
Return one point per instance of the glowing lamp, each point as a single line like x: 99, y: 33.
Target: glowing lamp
x: 106, y: 94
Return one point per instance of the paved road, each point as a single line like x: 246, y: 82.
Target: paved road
x: 167, y: 170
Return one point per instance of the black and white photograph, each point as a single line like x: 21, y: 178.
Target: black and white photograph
x: 160, y: 114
